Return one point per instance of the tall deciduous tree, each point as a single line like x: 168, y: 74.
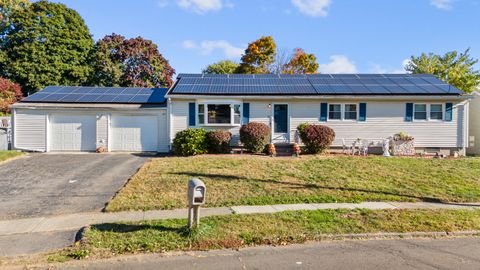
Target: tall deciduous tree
x: 47, y: 44
x: 221, y: 67
x: 6, y: 9
x: 9, y: 93
x: 455, y: 68
x: 129, y: 62
x: 301, y: 63
x: 258, y: 56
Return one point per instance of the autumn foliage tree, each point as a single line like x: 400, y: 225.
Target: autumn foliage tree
x: 258, y: 56
x: 9, y: 93
x: 134, y: 62
x: 301, y: 63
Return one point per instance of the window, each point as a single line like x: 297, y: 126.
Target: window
x: 350, y: 112
x: 201, y: 114
x: 436, y: 111
x: 335, y: 111
x: 236, y: 114
x: 222, y: 114
x: 420, y: 111
x: 219, y: 113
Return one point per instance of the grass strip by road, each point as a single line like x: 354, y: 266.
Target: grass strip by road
x: 5, y: 155
x: 256, y: 180
x: 282, y: 228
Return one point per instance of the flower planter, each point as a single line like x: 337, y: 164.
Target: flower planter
x: 403, y: 147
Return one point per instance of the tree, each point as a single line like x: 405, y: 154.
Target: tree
x: 301, y: 63
x: 455, y: 68
x: 258, y: 56
x: 46, y: 44
x: 221, y: 67
x: 129, y: 62
x: 7, y: 7
x: 9, y: 93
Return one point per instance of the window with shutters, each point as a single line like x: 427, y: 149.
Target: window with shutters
x: 219, y: 114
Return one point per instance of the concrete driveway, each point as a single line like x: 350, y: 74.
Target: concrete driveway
x: 54, y: 184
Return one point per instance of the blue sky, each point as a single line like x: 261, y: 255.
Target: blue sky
x: 347, y: 36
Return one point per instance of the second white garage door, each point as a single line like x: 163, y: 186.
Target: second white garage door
x: 72, y: 132
x: 136, y: 133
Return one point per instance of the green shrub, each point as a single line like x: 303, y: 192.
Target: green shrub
x: 190, y: 142
x: 317, y: 138
x: 255, y: 136
x: 218, y: 141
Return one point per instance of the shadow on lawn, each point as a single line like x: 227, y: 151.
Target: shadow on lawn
x: 222, y: 177
x: 125, y: 228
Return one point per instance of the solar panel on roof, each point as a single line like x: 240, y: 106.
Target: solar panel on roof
x: 123, y: 98
x: 377, y: 89
x: 344, y: 76
x: 140, y: 99
x: 88, y: 98
x: 36, y: 97
x: 51, y: 89
x: 215, y: 75
x: 259, y: 76
x: 72, y: 97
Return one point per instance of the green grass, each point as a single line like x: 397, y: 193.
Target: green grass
x: 4, y: 155
x: 236, y: 231
x: 254, y: 180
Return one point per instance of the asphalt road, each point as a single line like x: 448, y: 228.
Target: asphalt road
x: 54, y: 184
x: 458, y: 253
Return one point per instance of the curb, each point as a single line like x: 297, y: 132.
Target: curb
x: 398, y: 235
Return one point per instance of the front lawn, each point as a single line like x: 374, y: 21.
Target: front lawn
x: 4, y: 155
x: 236, y: 231
x: 256, y: 180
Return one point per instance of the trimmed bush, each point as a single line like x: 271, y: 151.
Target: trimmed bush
x: 255, y: 136
x: 190, y: 142
x: 218, y: 141
x: 317, y: 138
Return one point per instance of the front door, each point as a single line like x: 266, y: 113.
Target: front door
x: 280, y: 123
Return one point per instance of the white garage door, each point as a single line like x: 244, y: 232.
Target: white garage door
x: 72, y: 132
x: 134, y: 133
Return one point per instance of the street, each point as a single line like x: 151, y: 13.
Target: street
x: 458, y: 253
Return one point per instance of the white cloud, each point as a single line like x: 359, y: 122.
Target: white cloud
x: 162, y: 3
x: 377, y: 68
x: 314, y: 8
x: 442, y: 4
x: 207, y: 47
x: 338, y: 64
x: 201, y: 6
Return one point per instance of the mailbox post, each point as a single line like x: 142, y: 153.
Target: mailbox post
x: 196, y: 197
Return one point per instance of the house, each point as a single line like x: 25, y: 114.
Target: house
x: 367, y: 106
x: 474, y: 125
x: 86, y: 118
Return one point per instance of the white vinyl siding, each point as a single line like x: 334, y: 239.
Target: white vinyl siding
x: 29, y: 130
x: 474, y: 125
x: 102, y: 131
x: 383, y: 119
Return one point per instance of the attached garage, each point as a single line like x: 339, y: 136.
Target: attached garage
x: 72, y: 132
x: 137, y: 133
x: 45, y: 121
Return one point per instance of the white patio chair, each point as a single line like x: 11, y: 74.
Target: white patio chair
x: 345, y: 147
x: 364, y: 147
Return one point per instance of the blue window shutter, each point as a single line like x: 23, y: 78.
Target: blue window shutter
x: 409, y: 112
x: 323, y: 112
x: 191, y: 114
x: 363, y: 112
x: 246, y: 113
x: 449, y: 112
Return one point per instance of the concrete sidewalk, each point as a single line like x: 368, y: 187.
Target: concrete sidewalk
x: 76, y: 221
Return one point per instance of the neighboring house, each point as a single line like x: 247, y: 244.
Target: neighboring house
x: 85, y: 118
x: 366, y: 106
x: 474, y: 125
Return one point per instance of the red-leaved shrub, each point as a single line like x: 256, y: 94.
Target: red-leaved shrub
x: 317, y: 138
x: 255, y: 136
x: 218, y: 141
x: 9, y: 93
